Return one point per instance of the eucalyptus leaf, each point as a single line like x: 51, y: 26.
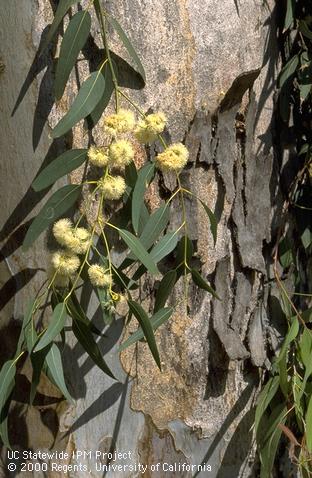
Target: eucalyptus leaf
x: 157, y: 320
x: 55, y: 368
x: 86, y: 100
x: 59, y: 167
x: 86, y: 340
x: 147, y: 328
x: 104, y: 299
x: 288, y: 70
x: 58, y: 204
x: 7, y: 382
x: 56, y: 324
x: 138, y: 250
x: 61, y: 10
x: 27, y: 319
x: 212, y: 219
x: 264, y: 399
x: 200, y: 282
x: 145, y: 175
x: 289, y: 17
x: 74, y: 39
x: 164, y: 246
x: 37, y: 361
x: 124, y: 38
x: 96, y: 114
x: 165, y: 288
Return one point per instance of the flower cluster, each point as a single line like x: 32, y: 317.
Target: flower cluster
x: 98, y: 276
x: 174, y: 158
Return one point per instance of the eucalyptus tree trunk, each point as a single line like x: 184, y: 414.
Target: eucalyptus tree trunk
x: 210, y: 67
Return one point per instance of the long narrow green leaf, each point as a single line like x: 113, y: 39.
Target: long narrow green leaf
x: 88, y: 97
x: 75, y: 37
x: 268, y: 451
x: 138, y: 250
x: 25, y: 326
x: 212, y: 219
x: 165, y: 288
x: 164, y: 246
x: 198, y: 279
x: 145, y: 175
x: 156, y: 321
x: 7, y: 382
x: 104, y: 302
x: 308, y: 420
x: 147, y: 328
x: 55, y: 367
x: 55, y: 326
x: 63, y: 164
x: 124, y: 38
x: 288, y: 70
x: 76, y: 311
x: 96, y: 114
x: 62, y: 8
x: 291, y: 335
x: 86, y: 340
x: 264, y: 399
x: 289, y: 17
x: 58, y: 204
x: 155, y: 226
x: 37, y: 361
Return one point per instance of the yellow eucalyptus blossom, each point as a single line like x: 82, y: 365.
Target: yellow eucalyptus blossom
x: 61, y: 230
x: 120, y: 122
x: 113, y: 187
x: 83, y: 236
x: 98, y: 276
x: 97, y: 156
x: 149, y: 127
x: 121, y: 153
x: 174, y: 158
x: 65, y: 263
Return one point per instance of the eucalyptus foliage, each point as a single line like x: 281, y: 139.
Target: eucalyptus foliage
x: 85, y: 241
x: 284, y: 410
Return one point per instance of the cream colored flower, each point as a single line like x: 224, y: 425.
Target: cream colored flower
x: 148, y: 128
x: 98, y: 276
x: 120, y: 122
x: 121, y: 153
x: 83, y: 237
x: 113, y: 187
x: 174, y: 158
x: 97, y: 156
x: 65, y: 263
x: 61, y: 230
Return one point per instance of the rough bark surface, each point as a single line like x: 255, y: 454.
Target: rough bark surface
x: 210, y: 68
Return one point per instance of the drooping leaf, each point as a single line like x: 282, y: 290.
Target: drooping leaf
x: 56, y: 324
x: 124, y: 38
x: 289, y: 17
x: 291, y: 335
x: 164, y: 246
x: 138, y: 250
x: 58, y: 204
x: 165, y: 288
x: 147, y: 328
x: 145, y: 175
x: 269, y: 449
x: 185, y: 251
x: 286, y: 257
x: 212, y: 219
x: 308, y: 421
x: 7, y: 382
x: 157, y: 320
x: 104, y: 299
x: 86, y: 340
x: 96, y: 114
x: 61, y: 10
x: 63, y: 164
x: 75, y: 37
x: 264, y: 399
x: 55, y: 368
x: 200, y: 281
x: 303, y: 27
x: 76, y: 311
x: 25, y: 325
x: 155, y: 226
x: 288, y: 70
x: 37, y: 361
x: 86, y: 100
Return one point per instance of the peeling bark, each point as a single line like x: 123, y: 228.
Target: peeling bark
x: 210, y: 67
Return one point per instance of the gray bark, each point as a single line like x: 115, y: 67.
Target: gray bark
x: 211, y: 68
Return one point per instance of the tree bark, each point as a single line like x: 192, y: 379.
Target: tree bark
x: 211, y: 68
